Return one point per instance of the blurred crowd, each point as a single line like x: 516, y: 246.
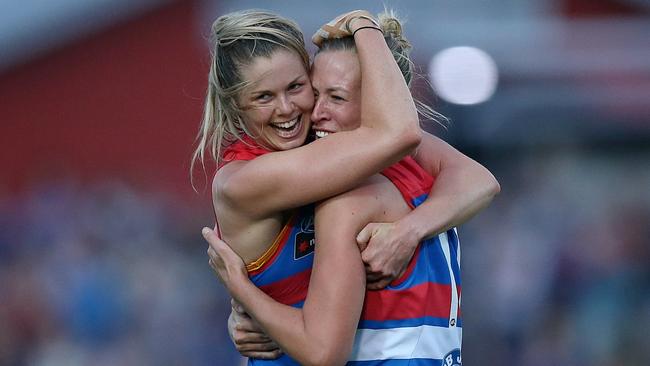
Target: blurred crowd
x: 106, y: 275
x: 556, y: 271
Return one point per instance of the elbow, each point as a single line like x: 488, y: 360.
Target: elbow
x: 493, y: 186
x: 409, y: 139
x: 496, y: 189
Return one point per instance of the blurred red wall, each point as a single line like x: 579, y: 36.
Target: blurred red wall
x: 123, y: 103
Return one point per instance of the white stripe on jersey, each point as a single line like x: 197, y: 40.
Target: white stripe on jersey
x: 458, y: 259
x: 453, y: 313
x: 424, y: 341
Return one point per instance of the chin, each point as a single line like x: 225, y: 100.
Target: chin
x: 294, y: 143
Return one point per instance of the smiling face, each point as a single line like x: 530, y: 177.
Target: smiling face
x: 278, y: 102
x: 336, y: 80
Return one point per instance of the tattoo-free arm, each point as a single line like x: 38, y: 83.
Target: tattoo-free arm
x: 462, y: 188
x: 322, y: 332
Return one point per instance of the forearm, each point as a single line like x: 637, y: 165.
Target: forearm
x: 282, y: 323
x: 386, y: 103
x: 301, y: 333
x: 323, y: 331
x: 458, y: 194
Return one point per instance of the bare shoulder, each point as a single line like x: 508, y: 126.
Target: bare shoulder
x: 248, y: 235
x: 375, y: 200
x: 224, y: 179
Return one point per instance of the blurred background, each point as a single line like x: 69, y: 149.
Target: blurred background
x: 101, y: 258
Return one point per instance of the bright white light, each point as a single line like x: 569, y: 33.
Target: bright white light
x: 463, y: 75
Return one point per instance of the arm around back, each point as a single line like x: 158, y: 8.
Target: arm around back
x: 462, y: 188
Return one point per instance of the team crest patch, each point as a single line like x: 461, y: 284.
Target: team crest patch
x: 452, y: 358
x: 304, y: 240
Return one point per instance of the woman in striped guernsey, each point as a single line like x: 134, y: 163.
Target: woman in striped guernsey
x: 416, y: 319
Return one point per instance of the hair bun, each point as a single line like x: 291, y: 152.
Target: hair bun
x: 392, y: 27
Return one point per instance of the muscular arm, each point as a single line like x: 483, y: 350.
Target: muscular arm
x: 322, y: 332
x: 462, y: 188
x: 389, y: 130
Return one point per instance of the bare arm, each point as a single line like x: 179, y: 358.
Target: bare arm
x: 389, y: 130
x: 321, y: 333
x: 462, y: 188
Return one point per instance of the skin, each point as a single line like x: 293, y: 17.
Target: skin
x: 251, y: 197
x: 281, y: 94
x: 387, y: 247
x: 337, y: 86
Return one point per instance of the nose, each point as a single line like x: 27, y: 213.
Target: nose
x: 320, y: 111
x: 284, y: 106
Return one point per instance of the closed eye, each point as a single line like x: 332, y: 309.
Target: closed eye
x: 263, y: 97
x: 295, y: 86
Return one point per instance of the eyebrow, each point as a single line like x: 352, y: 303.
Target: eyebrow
x: 336, y: 89
x: 258, y: 92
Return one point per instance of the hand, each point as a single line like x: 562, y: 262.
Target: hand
x: 343, y: 25
x: 248, y: 337
x: 386, y: 251
x: 224, y: 261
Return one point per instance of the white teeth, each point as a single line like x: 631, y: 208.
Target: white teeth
x: 321, y: 134
x: 287, y: 124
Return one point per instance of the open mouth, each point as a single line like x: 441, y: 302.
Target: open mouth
x: 288, y: 129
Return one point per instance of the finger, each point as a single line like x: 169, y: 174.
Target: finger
x: 272, y: 355
x: 207, y: 233
x: 245, y: 337
x: 379, y: 284
x: 367, y: 255
x: 374, y: 265
x: 211, y: 237
x: 219, y: 251
x: 236, y: 306
x: 257, y: 346
x: 247, y: 324
x: 373, y: 277
x: 364, y: 235
x: 211, y: 253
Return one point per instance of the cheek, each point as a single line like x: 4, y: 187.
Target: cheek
x: 350, y: 118
x: 254, y: 118
x: 306, y: 100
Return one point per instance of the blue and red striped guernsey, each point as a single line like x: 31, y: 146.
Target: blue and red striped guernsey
x: 416, y: 319
x: 283, y: 271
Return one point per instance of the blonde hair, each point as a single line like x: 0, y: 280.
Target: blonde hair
x: 236, y: 39
x: 400, y: 47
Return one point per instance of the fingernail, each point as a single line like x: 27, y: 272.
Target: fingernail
x: 205, y: 231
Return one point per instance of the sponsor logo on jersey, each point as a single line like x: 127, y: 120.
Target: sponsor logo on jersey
x: 452, y: 358
x: 304, y: 240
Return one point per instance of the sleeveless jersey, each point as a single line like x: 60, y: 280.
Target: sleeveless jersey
x: 283, y: 271
x: 416, y: 319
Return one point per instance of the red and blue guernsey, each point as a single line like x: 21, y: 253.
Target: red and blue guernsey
x: 283, y: 271
x: 416, y: 319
